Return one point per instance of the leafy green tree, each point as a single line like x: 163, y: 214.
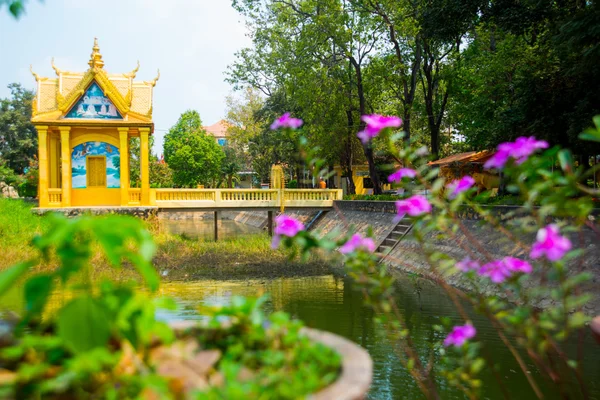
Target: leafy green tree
x: 230, y: 167
x: 161, y: 175
x: 15, y: 7
x: 18, y: 137
x: 194, y: 156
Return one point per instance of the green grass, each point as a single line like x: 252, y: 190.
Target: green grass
x: 183, y: 258
x: 18, y: 226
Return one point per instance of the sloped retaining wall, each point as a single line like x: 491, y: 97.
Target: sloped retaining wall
x: 409, y: 256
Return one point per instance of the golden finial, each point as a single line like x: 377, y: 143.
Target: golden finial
x: 153, y: 82
x: 58, y: 71
x: 96, y: 57
x: 134, y: 72
x: 36, y: 76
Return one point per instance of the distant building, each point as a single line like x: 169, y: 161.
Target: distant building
x: 219, y: 131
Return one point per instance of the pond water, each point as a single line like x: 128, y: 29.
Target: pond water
x: 333, y: 304
x: 204, y: 228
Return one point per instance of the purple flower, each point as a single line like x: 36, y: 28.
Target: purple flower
x: 402, y: 173
x: 520, y: 150
x: 375, y: 124
x: 500, y: 270
x: 285, y: 121
x: 285, y: 226
x: 550, y: 243
x: 413, y: 206
x: 467, y: 265
x: 459, y: 335
x: 356, y: 242
x: 460, y: 185
x: 517, y: 265
x: 496, y: 271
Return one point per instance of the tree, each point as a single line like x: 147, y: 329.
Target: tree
x: 230, y: 167
x: 194, y: 156
x: 15, y: 7
x: 18, y: 137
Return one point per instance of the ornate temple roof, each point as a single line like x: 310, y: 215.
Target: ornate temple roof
x: 93, y: 97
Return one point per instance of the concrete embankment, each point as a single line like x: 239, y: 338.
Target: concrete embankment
x: 408, y: 255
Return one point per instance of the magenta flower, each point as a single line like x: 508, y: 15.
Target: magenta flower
x: 496, y: 271
x: 467, y: 265
x: 375, y: 124
x: 517, y: 265
x: 402, y: 173
x: 520, y: 150
x: 550, y: 243
x: 500, y: 270
x: 285, y: 121
x: 459, y: 335
x: 285, y: 226
x: 460, y: 185
x: 356, y: 242
x: 413, y: 206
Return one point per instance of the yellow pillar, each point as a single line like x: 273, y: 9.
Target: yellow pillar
x: 124, y: 167
x: 43, y: 164
x: 65, y: 157
x: 54, y: 161
x: 145, y: 165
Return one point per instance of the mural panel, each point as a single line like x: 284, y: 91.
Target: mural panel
x: 79, y: 164
x: 94, y: 105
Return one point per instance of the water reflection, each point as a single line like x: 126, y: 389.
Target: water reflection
x: 331, y: 303
x: 204, y: 228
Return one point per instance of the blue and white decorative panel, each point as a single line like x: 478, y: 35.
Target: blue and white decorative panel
x: 94, y: 105
x: 79, y: 163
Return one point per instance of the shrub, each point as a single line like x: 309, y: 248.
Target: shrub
x: 542, y: 268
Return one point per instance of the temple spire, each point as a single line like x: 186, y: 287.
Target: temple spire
x: 96, y: 57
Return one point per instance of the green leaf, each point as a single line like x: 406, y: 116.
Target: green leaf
x: 566, y: 160
x: 147, y: 271
x: 83, y: 325
x: 37, y: 292
x: 11, y: 275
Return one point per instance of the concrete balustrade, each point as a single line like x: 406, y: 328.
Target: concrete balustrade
x: 135, y: 196
x: 243, y: 198
x: 54, y: 197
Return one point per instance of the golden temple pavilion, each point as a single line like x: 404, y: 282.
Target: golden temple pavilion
x: 84, y: 122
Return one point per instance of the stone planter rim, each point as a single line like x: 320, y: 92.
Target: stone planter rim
x: 356, y: 373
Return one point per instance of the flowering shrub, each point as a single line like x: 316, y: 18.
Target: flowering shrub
x: 557, y: 204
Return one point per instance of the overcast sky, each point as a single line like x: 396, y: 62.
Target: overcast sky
x: 190, y: 41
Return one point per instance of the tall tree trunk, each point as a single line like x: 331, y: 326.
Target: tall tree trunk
x: 367, y: 148
x: 431, y: 90
x: 347, y: 157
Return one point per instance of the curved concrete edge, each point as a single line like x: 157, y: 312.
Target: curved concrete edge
x: 357, y: 368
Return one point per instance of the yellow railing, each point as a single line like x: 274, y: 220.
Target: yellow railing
x: 248, y: 195
x: 311, y: 194
x: 236, y: 198
x: 135, y: 196
x: 185, y: 195
x: 54, y: 197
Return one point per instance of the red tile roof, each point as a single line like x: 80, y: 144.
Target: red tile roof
x: 219, y: 129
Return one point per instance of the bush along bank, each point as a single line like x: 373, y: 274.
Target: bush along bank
x: 105, y: 342
x: 542, y: 264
